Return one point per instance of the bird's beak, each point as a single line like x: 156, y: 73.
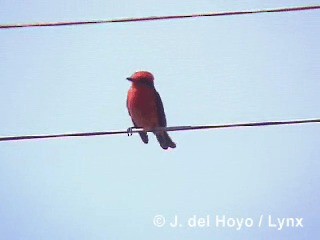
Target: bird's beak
x: 129, y: 79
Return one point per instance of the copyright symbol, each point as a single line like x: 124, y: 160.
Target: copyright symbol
x: 159, y: 221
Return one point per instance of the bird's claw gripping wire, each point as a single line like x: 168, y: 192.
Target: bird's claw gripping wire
x: 129, y: 131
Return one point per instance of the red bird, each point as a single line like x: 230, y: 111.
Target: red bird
x: 146, y: 109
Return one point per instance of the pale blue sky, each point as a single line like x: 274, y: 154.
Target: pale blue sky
x: 208, y: 71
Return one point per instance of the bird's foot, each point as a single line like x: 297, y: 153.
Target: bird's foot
x: 129, y: 131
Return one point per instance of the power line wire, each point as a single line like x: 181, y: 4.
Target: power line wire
x: 143, y: 19
x: 176, y: 128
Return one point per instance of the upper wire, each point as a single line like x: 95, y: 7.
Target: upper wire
x: 157, y: 18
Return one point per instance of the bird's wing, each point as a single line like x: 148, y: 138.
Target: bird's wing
x: 160, y: 109
x: 162, y: 137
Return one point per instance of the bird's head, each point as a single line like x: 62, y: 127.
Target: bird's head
x: 142, y: 78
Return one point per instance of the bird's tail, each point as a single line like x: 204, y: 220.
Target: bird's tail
x: 144, y: 137
x: 164, y: 140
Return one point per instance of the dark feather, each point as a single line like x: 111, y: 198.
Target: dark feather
x: 143, y: 135
x: 163, y: 137
x: 160, y: 109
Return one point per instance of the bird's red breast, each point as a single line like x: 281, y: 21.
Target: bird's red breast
x: 142, y: 106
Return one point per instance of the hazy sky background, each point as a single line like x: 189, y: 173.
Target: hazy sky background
x: 208, y: 71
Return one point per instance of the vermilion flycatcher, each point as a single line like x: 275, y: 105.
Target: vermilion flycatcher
x: 146, y: 109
